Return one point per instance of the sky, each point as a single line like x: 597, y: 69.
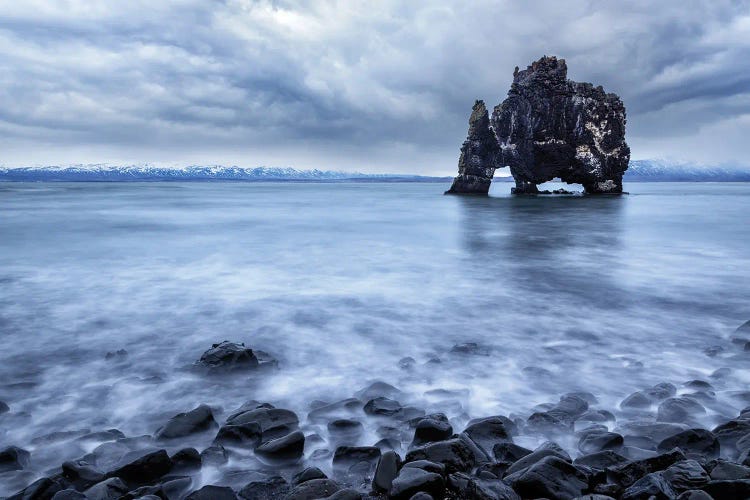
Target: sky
x: 371, y: 86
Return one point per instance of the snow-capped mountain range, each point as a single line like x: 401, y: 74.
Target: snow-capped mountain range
x: 639, y: 171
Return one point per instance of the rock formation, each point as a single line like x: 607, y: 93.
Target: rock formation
x: 548, y: 127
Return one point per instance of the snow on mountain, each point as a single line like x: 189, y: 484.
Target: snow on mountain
x: 668, y: 171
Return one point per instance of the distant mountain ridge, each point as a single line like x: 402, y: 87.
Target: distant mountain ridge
x: 638, y: 171
x: 102, y: 172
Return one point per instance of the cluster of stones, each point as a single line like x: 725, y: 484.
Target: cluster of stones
x: 548, y: 127
x: 641, y: 455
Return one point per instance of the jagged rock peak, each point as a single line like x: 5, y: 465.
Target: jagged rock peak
x: 548, y: 127
x: 480, y: 155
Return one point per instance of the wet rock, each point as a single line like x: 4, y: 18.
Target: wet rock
x: 325, y: 412
x: 69, y: 494
x: 686, y: 475
x: 488, y: 432
x: 378, y: 389
x: 597, y: 441
x: 4, y: 408
x: 267, y: 489
x: 173, y: 487
x: 651, y: 486
x: 435, y: 467
x: 315, y: 488
x: 111, y: 489
x: 347, y: 494
x: 81, y: 473
x: 432, y: 428
x: 470, y: 349
x: 422, y: 496
x: 290, y: 447
x: 215, y: 455
x: 680, y: 410
x: 464, y: 486
x: 693, y: 442
x: 383, y: 407
x: 509, y: 452
x: 142, y: 466
x: 345, y: 429
x: 629, y: 473
x: 407, y: 363
x: 599, y: 416
x: 273, y: 422
x: 43, y: 488
x: 655, y: 432
x: 411, y: 480
x: 248, y: 434
x: 601, y: 460
x: 118, y: 355
x: 698, y: 385
x: 730, y: 432
x: 186, y: 460
x: 347, y: 458
x: 14, y: 458
x: 545, y: 450
x: 228, y: 356
x: 637, y: 400
x: 552, y: 478
x: 211, y: 492
x: 308, y: 474
x: 184, y: 424
x: 480, y: 155
x: 737, y: 488
x: 386, y: 471
x: 102, y: 436
x: 695, y: 495
x: 546, y: 423
x: 455, y: 454
x: 724, y: 470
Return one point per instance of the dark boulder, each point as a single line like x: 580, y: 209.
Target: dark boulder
x: 228, y: 356
x: 248, y: 434
x: 480, y: 155
x: 4, y: 408
x: 186, y: 460
x: 592, y: 442
x: 435, y: 467
x: 545, y: 450
x: 736, y: 488
x: 215, y: 455
x: 693, y: 442
x: 724, y: 470
x: 681, y: 410
x: 432, y: 428
x: 378, y: 389
x: 142, y: 466
x: 730, y: 432
x: 488, y: 432
x: 81, y: 473
x: 308, y: 474
x: 69, y: 494
x: 286, y: 448
x: 211, y: 492
x: 601, y: 460
x: 650, y: 487
x: 551, y: 478
x: 41, y: 489
x: 355, y: 458
x: 266, y: 489
x: 628, y: 473
x: 315, y: 488
x: 411, y: 480
x: 509, y: 452
x: 110, y: 489
x: 14, y: 458
x: 345, y: 429
x: 686, y: 475
x: 383, y: 407
x: 464, y: 486
x: 171, y: 487
x: 455, y: 454
x: 272, y: 422
x: 386, y: 471
x: 184, y: 424
x: 638, y: 400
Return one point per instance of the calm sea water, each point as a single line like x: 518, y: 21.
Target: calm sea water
x: 340, y: 281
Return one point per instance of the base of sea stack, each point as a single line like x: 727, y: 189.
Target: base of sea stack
x: 470, y: 184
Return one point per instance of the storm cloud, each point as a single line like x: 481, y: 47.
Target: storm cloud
x: 350, y: 84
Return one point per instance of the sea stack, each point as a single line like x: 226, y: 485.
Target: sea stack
x: 548, y: 127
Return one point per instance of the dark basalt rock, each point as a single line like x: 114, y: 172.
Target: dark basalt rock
x: 412, y: 480
x: 597, y: 441
x: 465, y: 486
x: 480, y: 155
x: 551, y: 478
x: 174, y: 487
x: 69, y: 494
x: 4, y: 408
x: 545, y: 450
x: 214, y: 455
x: 509, y: 452
x: 43, y: 488
x: 383, y: 407
x: 686, y: 475
x: 316, y: 488
x: 378, y: 389
x: 488, y: 432
x: 266, y: 489
x: 186, y: 460
x: 724, y: 470
x: 547, y: 127
x: 184, y: 424
x: 730, y: 432
x: 629, y: 473
x: 231, y: 357
x: 455, y: 454
x: 601, y: 460
x: 142, y: 466
x: 353, y: 459
x: 432, y: 428
x: 211, y: 492
x: 679, y: 410
x: 386, y: 471
x: 14, y: 458
x: 650, y: 487
x: 308, y: 475
x: 81, y: 473
x: 738, y: 488
x: 286, y: 448
x: 111, y: 489
x: 693, y: 442
x: 345, y: 429
x: 273, y: 422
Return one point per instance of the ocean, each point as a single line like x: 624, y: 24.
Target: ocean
x: 342, y: 281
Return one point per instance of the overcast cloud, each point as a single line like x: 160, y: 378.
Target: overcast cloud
x: 353, y: 85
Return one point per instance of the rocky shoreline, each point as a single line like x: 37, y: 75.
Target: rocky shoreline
x: 652, y: 446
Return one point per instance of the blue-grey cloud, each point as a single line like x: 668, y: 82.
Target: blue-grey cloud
x: 351, y: 84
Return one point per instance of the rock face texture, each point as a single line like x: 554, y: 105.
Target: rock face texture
x: 480, y: 155
x: 547, y: 127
